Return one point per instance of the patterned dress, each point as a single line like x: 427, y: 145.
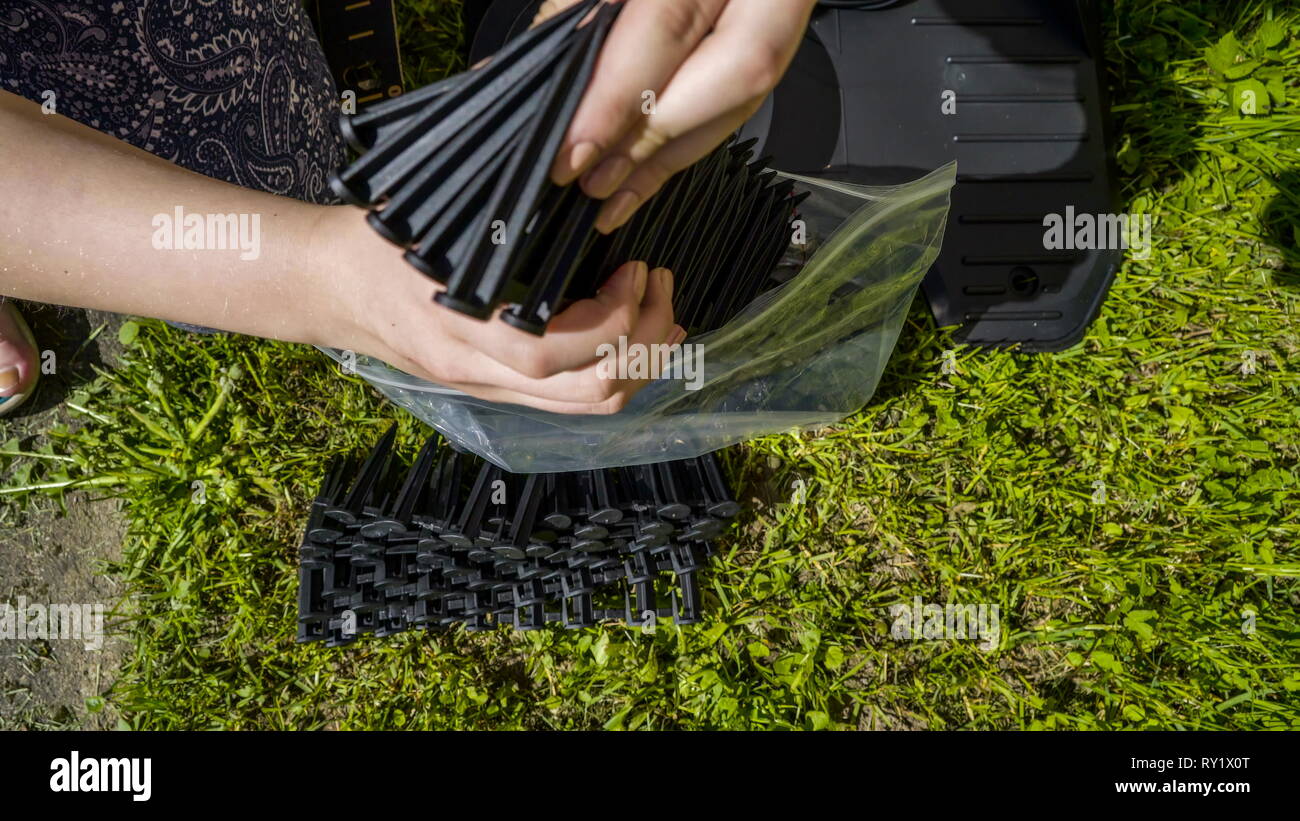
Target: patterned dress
x: 235, y: 89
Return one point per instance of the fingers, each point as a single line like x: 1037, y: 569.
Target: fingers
x: 651, y: 39
x: 655, y: 329
x: 651, y: 174
x: 571, y: 337
x: 590, y: 383
x: 592, y: 388
x: 715, y: 89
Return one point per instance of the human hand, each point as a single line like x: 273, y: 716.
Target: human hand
x: 376, y: 304
x: 704, y: 88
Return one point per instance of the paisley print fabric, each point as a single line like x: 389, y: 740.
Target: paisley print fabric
x: 235, y: 89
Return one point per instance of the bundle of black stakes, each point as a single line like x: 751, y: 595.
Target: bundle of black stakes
x: 457, y: 173
x: 452, y: 539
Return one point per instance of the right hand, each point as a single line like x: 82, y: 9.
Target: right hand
x: 378, y: 305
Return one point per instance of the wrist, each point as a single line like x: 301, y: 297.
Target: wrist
x: 331, y: 304
x: 360, y: 289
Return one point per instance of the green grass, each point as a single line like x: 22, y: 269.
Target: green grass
x: 981, y: 486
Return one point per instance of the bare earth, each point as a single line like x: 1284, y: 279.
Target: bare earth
x: 50, y: 556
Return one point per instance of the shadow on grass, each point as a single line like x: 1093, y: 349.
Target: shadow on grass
x: 1158, y: 123
x: 1281, y: 223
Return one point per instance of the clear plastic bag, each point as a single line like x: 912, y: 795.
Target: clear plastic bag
x: 805, y: 354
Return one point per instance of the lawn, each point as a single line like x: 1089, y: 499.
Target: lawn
x: 1131, y: 506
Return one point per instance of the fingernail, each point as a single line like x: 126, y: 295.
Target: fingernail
x: 9, y: 378
x: 616, y: 211
x: 580, y: 159
x: 679, y: 333
x: 665, y: 281
x: 607, y: 177
x: 642, y: 278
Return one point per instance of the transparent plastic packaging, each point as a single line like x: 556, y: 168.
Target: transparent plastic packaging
x: 806, y: 354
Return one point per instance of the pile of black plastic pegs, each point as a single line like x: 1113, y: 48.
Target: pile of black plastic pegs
x: 452, y: 539
x: 457, y: 173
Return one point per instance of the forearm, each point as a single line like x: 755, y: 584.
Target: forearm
x: 82, y: 214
